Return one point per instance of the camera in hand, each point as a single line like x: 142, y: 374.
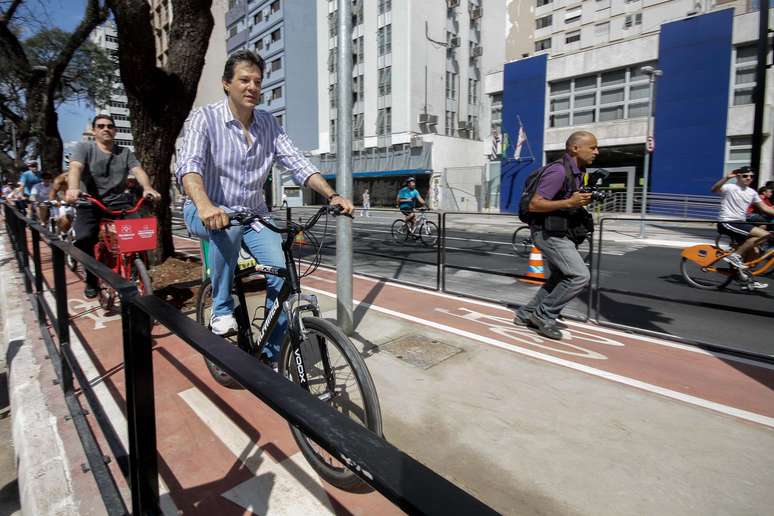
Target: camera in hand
x: 595, y: 178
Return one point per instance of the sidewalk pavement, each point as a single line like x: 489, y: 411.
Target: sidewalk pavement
x: 603, y: 423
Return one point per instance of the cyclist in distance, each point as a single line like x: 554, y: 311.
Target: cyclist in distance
x: 737, y: 197
x: 100, y: 168
x: 407, y: 198
x: 227, y: 155
x: 39, y: 193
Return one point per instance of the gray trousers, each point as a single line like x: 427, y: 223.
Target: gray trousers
x: 569, y: 275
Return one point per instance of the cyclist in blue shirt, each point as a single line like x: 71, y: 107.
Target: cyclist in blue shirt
x: 407, y: 198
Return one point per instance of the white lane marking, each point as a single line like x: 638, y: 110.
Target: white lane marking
x: 693, y: 400
x: 588, y: 326
x: 110, y: 407
x: 294, y: 483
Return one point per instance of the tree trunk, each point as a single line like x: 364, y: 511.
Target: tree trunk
x: 160, y: 98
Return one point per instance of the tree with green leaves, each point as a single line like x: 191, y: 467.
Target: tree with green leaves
x: 41, y: 72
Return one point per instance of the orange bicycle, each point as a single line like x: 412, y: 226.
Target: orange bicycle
x: 123, y: 246
x: 702, y: 266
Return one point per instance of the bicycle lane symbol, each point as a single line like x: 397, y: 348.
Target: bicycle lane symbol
x: 81, y: 309
x: 504, y: 327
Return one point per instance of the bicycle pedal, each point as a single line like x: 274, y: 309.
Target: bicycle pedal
x: 326, y: 396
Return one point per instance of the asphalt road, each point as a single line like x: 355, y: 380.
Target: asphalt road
x: 640, y: 286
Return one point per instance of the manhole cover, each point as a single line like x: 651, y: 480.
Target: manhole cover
x: 419, y: 351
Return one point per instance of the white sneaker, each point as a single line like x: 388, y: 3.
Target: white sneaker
x: 735, y: 260
x: 754, y: 285
x: 223, y: 324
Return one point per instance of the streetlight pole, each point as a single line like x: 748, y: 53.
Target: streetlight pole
x: 652, y: 73
x: 344, y: 312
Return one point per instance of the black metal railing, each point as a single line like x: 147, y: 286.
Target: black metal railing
x: 408, y: 484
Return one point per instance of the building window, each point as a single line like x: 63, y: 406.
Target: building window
x: 543, y: 22
x: 357, y: 13
x: 384, y: 40
x: 280, y: 119
x: 451, y: 85
x: 739, y: 152
x: 333, y: 131
x: 543, y: 44
x: 258, y: 18
x: 385, y: 81
x: 451, y: 119
x: 745, y: 61
x: 384, y: 122
x: 572, y: 37
x: 632, y: 19
x: 276, y: 93
x: 472, y: 91
x: 333, y: 19
x: 332, y: 60
x: 332, y: 93
x: 276, y: 35
x: 572, y: 15
x: 602, y: 30
x: 473, y: 125
x: 276, y: 65
x: 358, y: 89
x: 541, y: 3
x: 497, y: 112
x: 357, y: 126
x: 233, y: 31
x: 275, y: 6
x: 613, y: 95
x: 259, y: 45
x: 384, y: 6
x: 358, y: 51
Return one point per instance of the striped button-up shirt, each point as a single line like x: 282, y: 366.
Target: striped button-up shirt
x: 215, y: 147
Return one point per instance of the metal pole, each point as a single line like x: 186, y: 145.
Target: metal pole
x: 344, y: 166
x: 652, y: 73
x: 759, y: 93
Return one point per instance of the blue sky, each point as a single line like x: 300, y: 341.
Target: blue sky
x: 65, y: 14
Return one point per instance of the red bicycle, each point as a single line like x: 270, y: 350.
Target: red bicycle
x: 123, y: 246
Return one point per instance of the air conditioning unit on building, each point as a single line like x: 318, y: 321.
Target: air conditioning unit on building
x: 475, y: 13
x: 426, y: 118
x: 417, y: 141
x: 454, y: 41
x: 451, y: 4
x: 476, y: 51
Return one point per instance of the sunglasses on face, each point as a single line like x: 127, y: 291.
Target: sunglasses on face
x: 103, y: 126
x: 746, y: 176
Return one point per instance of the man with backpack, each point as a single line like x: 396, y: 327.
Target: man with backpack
x: 552, y: 204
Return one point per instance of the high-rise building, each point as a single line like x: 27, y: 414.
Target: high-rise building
x: 280, y: 31
x: 106, y: 37
x: 580, y: 66
x: 418, y: 103
x: 161, y: 12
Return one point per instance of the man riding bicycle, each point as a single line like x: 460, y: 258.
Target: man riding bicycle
x: 227, y: 155
x: 100, y: 168
x: 407, y: 198
x: 733, y: 213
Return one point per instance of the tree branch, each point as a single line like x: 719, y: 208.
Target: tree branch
x: 5, y: 18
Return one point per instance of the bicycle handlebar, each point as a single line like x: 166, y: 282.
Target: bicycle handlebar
x: 245, y: 218
x: 87, y: 200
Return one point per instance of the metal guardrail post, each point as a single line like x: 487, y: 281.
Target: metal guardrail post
x: 438, y: 253
x: 442, y: 265
x: 62, y: 325
x: 598, y: 269
x: 140, y: 409
x: 36, y: 260
x: 24, y: 256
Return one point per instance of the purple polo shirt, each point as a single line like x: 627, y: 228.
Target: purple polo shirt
x: 552, y: 180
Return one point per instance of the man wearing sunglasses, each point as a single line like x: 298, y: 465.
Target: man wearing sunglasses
x: 733, y: 219
x: 100, y: 168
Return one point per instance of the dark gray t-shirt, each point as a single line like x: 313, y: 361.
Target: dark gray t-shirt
x: 104, y: 175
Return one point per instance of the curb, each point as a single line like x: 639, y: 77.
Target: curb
x: 37, y: 403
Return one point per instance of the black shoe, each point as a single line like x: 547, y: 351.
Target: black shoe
x: 548, y: 330
x: 519, y: 321
x: 90, y: 292
x: 561, y: 325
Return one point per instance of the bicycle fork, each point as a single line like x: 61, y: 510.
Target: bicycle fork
x: 299, y: 335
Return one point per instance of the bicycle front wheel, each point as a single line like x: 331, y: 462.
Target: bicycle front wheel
x: 428, y: 233
x: 521, y: 241
x: 336, y: 375
x: 400, y: 231
x: 707, y: 278
x: 143, y: 279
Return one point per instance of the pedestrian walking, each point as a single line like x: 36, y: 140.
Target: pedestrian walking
x: 366, y: 203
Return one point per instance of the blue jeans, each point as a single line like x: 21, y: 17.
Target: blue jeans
x: 569, y: 275
x: 266, y: 248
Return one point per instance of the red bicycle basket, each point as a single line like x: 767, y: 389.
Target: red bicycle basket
x: 132, y: 235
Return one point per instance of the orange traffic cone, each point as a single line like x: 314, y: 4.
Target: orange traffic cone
x: 535, y: 271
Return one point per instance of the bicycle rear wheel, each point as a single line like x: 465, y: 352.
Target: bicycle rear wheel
x: 428, y: 233
x: 203, y: 314
x: 399, y: 231
x: 707, y: 278
x: 337, y: 375
x: 522, y: 241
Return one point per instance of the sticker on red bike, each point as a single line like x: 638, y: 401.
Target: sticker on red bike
x: 133, y: 235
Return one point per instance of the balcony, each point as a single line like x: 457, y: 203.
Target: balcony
x: 273, y: 77
x: 236, y: 13
x: 269, y: 20
x: 236, y: 41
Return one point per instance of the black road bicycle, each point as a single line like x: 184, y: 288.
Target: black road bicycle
x: 315, y: 353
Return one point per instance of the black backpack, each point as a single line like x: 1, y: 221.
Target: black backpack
x: 531, y: 185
